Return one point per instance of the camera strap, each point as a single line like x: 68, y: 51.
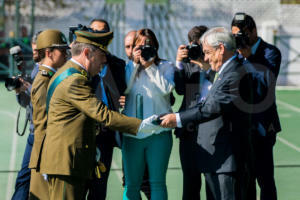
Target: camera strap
x: 57, y: 81
x: 25, y: 124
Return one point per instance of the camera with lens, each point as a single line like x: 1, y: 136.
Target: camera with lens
x: 147, y: 52
x: 14, y: 82
x: 80, y: 27
x: 195, y: 52
x: 241, y: 38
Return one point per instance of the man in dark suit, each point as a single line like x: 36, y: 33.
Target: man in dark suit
x: 224, y: 115
x: 109, y: 85
x: 192, y: 80
x: 266, y: 60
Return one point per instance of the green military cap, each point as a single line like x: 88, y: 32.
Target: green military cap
x: 100, y: 40
x: 51, y: 38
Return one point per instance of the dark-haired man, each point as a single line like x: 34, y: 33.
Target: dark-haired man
x: 193, y: 80
x: 23, y: 97
x: 266, y: 60
x: 100, y: 25
x: 110, y: 85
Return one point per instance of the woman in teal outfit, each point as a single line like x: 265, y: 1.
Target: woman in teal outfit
x: 151, y: 79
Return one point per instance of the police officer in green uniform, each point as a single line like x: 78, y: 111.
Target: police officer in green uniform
x: 69, y: 150
x: 52, y: 47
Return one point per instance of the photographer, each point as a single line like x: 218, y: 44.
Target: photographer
x: 149, y: 85
x: 193, y: 79
x: 266, y: 60
x: 23, y: 98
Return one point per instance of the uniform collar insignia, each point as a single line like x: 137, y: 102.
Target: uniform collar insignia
x: 84, y: 73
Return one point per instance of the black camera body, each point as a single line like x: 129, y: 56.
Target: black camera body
x: 80, y: 27
x: 14, y: 82
x: 241, y: 40
x: 147, y: 52
x: 195, y: 52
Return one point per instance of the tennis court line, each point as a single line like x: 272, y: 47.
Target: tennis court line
x: 119, y: 173
x: 287, y: 105
x: 13, y: 154
x: 288, y: 143
x: 293, y: 108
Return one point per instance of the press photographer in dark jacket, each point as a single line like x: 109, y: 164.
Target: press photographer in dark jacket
x: 23, y: 98
x: 193, y: 80
x: 266, y: 60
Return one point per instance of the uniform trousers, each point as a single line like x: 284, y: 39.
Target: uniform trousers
x: 23, y: 177
x: 98, y: 187
x: 67, y: 187
x: 38, y: 187
x: 153, y: 151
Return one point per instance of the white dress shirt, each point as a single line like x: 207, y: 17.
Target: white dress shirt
x: 155, y: 84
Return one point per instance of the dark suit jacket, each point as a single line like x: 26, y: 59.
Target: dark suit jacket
x: 115, y: 85
x: 266, y: 61
x: 223, y: 120
x: 187, y: 83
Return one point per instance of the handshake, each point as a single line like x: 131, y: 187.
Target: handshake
x: 157, y: 124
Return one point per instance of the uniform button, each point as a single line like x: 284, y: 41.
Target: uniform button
x: 86, y: 146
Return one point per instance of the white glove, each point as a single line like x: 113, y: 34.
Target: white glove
x: 149, y: 128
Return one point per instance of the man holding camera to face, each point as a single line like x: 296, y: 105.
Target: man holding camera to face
x: 266, y: 60
x: 23, y: 98
x: 193, y: 79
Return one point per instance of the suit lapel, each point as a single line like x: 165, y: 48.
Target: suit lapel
x: 221, y: 77
x: 258, y: 52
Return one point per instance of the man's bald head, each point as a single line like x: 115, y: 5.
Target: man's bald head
x: 128, y: 43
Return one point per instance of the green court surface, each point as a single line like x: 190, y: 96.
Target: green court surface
x: 286, y: 151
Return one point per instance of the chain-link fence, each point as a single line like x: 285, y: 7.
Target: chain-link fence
x: 171, y: 20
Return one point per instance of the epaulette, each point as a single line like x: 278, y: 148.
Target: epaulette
x: 76, y: 75
x: 45, y: 73
x: 83, y: 73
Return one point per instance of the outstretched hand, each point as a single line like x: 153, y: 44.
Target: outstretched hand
x: 169, y: 121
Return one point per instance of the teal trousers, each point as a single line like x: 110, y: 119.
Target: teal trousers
x: 153, y: 151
